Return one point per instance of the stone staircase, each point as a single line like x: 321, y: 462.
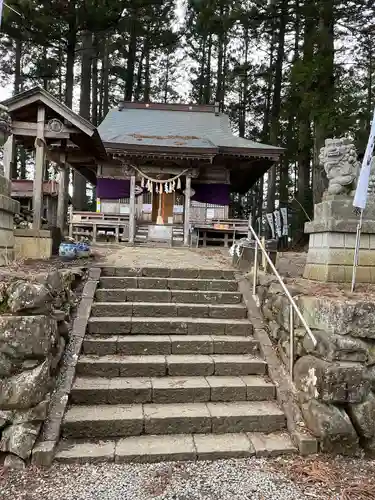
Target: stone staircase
x: 142, y: 233
x: 170, y: 371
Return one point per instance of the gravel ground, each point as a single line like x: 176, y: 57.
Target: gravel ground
x: 286, y: 478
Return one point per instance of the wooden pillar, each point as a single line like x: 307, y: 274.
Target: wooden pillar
x: 9, y: 148
x: 62, y: 194
x: 132, y: 210
x: 187, y: 211
x: 39, y: 170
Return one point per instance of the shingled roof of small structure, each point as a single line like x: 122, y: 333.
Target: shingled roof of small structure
x: 178, y: 127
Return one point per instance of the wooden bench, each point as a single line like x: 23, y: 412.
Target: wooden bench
x: 90, y: 224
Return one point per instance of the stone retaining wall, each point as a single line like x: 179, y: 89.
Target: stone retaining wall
x: 336, y: 379
x: 8, y: 208
x: 34, y: 329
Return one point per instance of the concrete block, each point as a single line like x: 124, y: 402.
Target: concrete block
x: 237, y: 364
x: 100, y: 346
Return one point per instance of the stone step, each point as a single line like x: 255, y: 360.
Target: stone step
x: 174, y: 365
x: 104, y: 421
x: 162, y: 272
x: 208, y: 284
x: 178, y: 326
x: 136, y: 345
x: 163, y: 309
x: 178, y: 296
x: 175, y: 447
x: 121, y: 390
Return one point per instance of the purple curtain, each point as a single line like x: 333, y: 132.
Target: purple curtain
x: 114, y: 189
x: 215, y: 194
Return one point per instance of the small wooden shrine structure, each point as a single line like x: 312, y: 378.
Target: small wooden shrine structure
x: 155, y: 165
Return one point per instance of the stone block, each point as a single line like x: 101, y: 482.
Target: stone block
x: 144, y: 345
x: 103, y: 421
x: 180, y: 390
x: 43, y: 454
x: 109, y: 325
x: 129, y: 390
x: 148, y: 295
x: 143, y: 366
x: 184, y: 365
x: 193, y: 310
x: 363, y: 416
x: 103, y: 309
x: 145, y: 449
x: 92, y: 390
x: 332, y: 426
x: 182, y: 418
x: 155, y: 325
x: 333, y: 347
x: 100, y: 346
x: 152, y: 283
x: 191, y: 344
x: 222, y: 446
x: 272, y: 445
x: 158, y: 310
x: 227, y: 388
x: 234, y: 345
x: 261, y: 416
x: 227, y: 364
x: 103, y: 366
x: 85, y: 452
x: 339, y: 382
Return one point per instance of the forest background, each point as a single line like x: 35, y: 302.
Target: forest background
x: 288, y: 72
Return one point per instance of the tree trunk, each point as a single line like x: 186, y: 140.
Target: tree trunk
x: 95, y: 84
x: 129, y: 82
x: 79, y: 182
x: 105, y: 78
x: 147, y: 87
x: 70, y: 54
x: 276, y: 102
x: 207, y: 84
x: 324, y: 116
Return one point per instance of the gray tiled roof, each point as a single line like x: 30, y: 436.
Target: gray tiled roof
x: 170, y: 128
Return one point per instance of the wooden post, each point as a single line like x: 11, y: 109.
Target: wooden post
x: 39, y: 170
x: 62, y: 194
x: 8, y: 156
x: 132, y: 211
x: 187, y: 211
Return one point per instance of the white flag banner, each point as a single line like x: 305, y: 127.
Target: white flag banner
x: 277, y: 222
x: 270, y: 222
x: 1, y: 10
x: 360, y: 197
x: 284, y: 215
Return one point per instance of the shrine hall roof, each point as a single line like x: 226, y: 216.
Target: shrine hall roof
x: 177, y: 127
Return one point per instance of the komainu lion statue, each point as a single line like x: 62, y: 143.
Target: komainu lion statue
x: 339, y: 159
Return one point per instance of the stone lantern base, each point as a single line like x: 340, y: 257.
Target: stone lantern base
x: 332, y: 242
x: 8, y: 208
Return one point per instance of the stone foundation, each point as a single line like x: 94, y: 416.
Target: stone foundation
x: 335, y: 379
x: 8, y: 208
x: 332, y: 242
x: 32, y: 244
x: 34, y: 330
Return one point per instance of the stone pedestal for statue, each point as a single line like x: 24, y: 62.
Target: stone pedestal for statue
x: 332, y: 241
x: 8, y: 208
